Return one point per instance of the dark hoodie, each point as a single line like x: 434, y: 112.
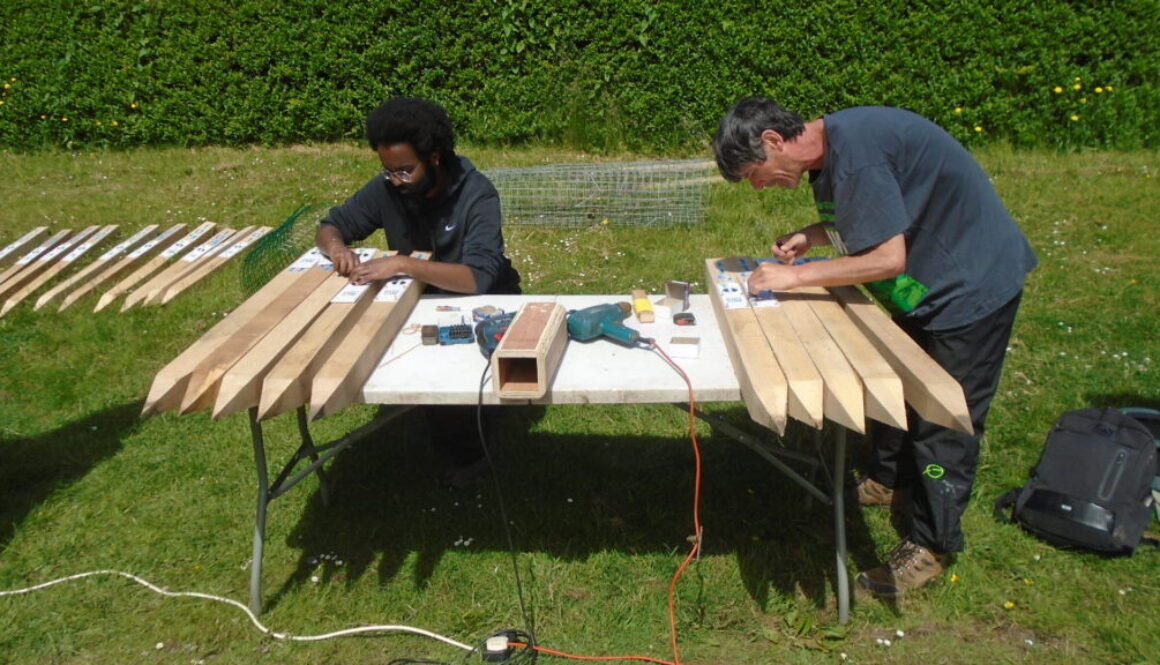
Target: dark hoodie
x: 461, y: 225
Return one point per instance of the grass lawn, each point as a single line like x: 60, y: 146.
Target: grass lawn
x: 599, y: 497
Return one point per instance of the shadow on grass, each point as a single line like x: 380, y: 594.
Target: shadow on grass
x: 571, y: 496
x: 31, y: 469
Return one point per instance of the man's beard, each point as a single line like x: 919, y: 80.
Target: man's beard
x: 420, y: 189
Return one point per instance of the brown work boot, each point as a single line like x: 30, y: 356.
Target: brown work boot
x: 910, y: 566
x: 873, y: 493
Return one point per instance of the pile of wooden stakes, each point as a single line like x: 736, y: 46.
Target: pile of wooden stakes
x: 308, y: 337
x: 814, y: 353
x: 152, y: 267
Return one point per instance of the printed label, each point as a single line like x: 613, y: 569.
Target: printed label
x: 393, y: 289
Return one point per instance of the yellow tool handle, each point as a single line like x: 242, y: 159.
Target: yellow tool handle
x: 642, y: 307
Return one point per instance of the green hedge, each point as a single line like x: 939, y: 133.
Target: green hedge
x: 602, y: 75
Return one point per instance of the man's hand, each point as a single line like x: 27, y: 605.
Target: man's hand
x: 345, y: 260
x: 774, y: 277
x: 378, y: 269
x: 791, y: 247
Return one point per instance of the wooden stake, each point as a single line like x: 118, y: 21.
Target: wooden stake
x: 12, y: 250
x: 43, y: 269
x: 340, y: 380
x: 96, y: 267
x: 168, y: 251
x: 885, y: 400
x: 134, y: 257
x: 843, y: 398
x: 156, y: 283
x: 171, y: 382
x: 764, y: 387
x: 933, y: 393
x: 527, y: 357
x: 287, y: 385
x: 210, y: 264
x: 26, y: 261
x: 241, y: 385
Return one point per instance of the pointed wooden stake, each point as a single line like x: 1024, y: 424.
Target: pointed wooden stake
x: 134, y: 257
x: 212, y: 263
x: 87, y: 273
x: 764, y: 387
x: 168, y: 249
x: 287, y: 385
x: 26, y: 262
x: 12, y: 250
x: 57, y: 260
x: 171, y: 382
x: 157, y: 282
x: 933, y: 393
x: 241, y: 385
x: 340, y: 380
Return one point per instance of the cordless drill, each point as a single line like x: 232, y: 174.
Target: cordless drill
x: 603, y: 320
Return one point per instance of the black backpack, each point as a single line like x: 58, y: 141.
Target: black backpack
x: 1092, y: 486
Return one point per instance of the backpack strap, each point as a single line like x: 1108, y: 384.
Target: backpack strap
x: 1003, y: 503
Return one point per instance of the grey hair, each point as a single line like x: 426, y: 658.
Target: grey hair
x: 738, y: 140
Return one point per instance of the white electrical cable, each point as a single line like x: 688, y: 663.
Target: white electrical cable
x: 249, y: 613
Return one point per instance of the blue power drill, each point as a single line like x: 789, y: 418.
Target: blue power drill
x: 489, y: 332
x: 603, y: 321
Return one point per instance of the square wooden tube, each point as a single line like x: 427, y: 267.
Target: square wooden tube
x: 528, y: 355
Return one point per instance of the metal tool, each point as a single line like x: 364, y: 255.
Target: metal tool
x: 490, y: 330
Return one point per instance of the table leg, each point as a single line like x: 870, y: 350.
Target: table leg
x: 842, y: 581
x: 308, y: 445
x: 263, y: 503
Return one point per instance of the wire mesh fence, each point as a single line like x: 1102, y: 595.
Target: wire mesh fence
x: 634, y: 193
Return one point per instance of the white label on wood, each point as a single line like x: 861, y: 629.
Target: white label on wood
x: 244, y: 243
x: 80, y: 250
x: 393, y: 289
x: 204, y: 248
x: 122, y: 246
x: 177, y: 247
x: 144, y: 249
x: 306, y: 261
x: 56, y: 251
x: 15, y: 244
x: 732, y: 295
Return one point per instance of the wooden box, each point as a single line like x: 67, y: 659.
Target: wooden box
x: 529, y: 353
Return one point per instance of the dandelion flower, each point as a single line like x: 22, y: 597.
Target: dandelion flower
x: 1099, y: 90
x: 978, y: 128
x: 958, y: 109
x: 1078, y: 78
x: 133, y: 105
x: 64, y: 119
x: 7, y: 86
x: 1108, y: 88
x: 1058, y: 89
x: 115, y: 123
x: 1077, y: 86
x: 1075, y: 118
x: 1008, y: 605
x: 1, y: 102
x: 955, y: 578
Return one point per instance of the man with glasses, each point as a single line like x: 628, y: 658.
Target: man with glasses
x: 916, y: 219
x: 429, y: 199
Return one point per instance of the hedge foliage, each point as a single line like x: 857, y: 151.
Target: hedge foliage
x: 595, y: 74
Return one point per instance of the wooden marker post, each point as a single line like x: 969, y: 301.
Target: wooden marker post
x: 528, y: 355
x: 134, y: 257
x: 340, y: 379
x: 102, y: 262
x: 933, y: 393
x: 25, y: 262
x: 843, y: 397
x: 156, y: 283
x: 241, y: 385
x: 210, y: 264
x: 764, y: 387
x: 168, y: 250
x: 170, y: 384
x: 44, y: 268
x: 205, y: 380
x: 885, y: 400
x: 287, y: 385
x: 12, y: 250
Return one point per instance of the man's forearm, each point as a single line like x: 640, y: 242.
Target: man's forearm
x: 329, y: 239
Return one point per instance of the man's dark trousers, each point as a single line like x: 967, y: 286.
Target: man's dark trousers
x: 942, y: 460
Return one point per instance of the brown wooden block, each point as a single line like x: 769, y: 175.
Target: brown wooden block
x: 528, y: 355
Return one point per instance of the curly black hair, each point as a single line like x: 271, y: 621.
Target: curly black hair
x: 421, y: 123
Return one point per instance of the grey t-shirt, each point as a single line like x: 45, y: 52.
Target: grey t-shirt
x: 889, y: 171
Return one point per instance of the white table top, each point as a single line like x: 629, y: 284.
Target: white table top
x: 599, y: 372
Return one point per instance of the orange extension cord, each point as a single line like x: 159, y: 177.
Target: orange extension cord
x: 693, y: 552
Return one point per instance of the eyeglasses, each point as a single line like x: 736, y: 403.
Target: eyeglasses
x: 403, y: 175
